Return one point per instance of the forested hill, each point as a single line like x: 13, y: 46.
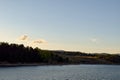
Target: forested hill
x: 18, y: 54
x: 13, y: 53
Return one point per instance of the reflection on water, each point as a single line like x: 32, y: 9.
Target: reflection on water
x: 66, y: 72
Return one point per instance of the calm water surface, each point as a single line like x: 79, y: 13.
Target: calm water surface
x: 66, y: 72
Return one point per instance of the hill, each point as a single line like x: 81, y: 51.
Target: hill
x: 19, y: 54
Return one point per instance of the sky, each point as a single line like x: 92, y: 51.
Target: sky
x: 72, y: 25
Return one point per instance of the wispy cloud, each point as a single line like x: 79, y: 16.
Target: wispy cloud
x: 29, y: 41
x: 93, y: 40
x: 39, y: 41
x: 23, y: 37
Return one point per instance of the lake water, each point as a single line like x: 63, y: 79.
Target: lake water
x: 66, y: 72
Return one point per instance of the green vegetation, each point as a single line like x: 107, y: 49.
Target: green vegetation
x: 13, y: 53
x: 18, y: 54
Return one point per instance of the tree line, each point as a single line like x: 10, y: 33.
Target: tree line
x: 14, y: 53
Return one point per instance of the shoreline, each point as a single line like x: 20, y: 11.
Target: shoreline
x: 31, y: 64
x: 44, y: 64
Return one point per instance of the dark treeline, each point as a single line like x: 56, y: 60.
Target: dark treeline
x: 14, y: 53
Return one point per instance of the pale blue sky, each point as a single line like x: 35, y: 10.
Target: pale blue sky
x: 76, y: 25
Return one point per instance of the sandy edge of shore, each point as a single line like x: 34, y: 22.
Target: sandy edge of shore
x: 30, y: 64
